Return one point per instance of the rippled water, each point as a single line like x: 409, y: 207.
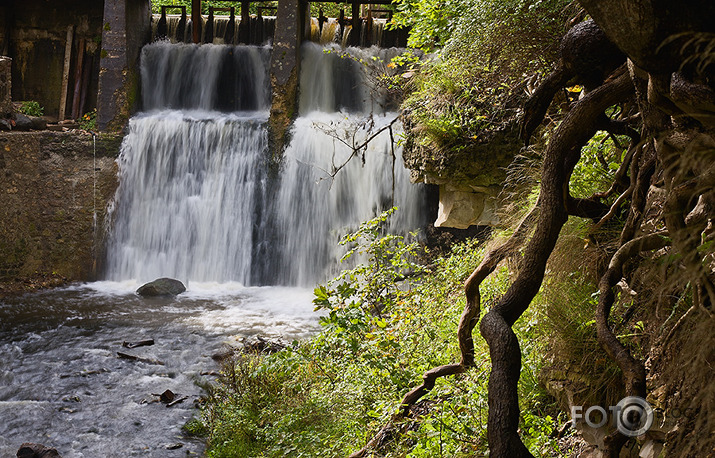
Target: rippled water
x: 63, y: 385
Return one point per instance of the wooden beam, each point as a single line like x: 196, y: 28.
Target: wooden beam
x: 66, y: 72
x: 196, y: 20
x: 244, y: 27
x: 357, y: 22
x: 78, y: 65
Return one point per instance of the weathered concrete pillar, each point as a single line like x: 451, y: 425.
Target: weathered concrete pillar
x: 127, y: 27
x: 285, y: 72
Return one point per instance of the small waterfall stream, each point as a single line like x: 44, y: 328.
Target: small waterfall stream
x: 197, y: 201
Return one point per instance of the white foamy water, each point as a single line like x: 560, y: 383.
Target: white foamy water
x: 187, y: 205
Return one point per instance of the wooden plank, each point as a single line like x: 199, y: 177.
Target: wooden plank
x: 244, y: 27
x: 66, y: 72
x: 78, y: 66
x: 357, y: 23
x: 196, y: 20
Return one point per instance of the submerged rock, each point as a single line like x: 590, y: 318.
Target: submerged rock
x: 161, y: 287
x: 30, y: 450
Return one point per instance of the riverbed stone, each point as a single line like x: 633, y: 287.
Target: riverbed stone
x: 161, y: 287
x: 30, y: 450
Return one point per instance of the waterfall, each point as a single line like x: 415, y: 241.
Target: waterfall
x: 206, y: 77
x: 189, y: 187
x: 197, y: 200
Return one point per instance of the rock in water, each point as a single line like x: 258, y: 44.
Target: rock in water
x: 29, y: 450
x: 161, y: 287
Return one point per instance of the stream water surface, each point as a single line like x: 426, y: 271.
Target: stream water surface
x: 62, y: 383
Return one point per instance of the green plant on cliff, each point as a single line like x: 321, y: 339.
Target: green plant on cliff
x: 475, y: 86
x: 31, y: 108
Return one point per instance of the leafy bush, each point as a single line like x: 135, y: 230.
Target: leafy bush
x: 473, y: 90
x: 31, y: 108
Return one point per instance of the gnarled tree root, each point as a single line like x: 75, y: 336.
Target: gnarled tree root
x: 633, y: 370
x: 562, y: 154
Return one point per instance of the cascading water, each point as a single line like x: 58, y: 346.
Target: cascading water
x: 317, y: 203
x: 196, y: 201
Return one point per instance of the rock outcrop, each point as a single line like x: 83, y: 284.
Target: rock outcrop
x: 161, y: 287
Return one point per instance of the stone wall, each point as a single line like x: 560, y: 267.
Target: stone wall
x: 48, y: 203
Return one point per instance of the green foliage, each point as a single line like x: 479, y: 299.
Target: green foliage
x: 600, y: 159
x: 31, y: 108
x: 205, y: 4
x: 475, y: 86
x: 432, y: 21
x: 88, y: 121
x: 519, y: 24
x: 385, y: 322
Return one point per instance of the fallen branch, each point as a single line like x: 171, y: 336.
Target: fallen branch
x: 140, y: 343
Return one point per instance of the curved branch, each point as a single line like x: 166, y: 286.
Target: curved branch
x: 536, y: 107
x: 586, y: 208
x: 561, y: 156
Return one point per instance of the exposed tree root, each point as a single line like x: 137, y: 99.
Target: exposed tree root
x: 561, y: 156
x: 633, y: 370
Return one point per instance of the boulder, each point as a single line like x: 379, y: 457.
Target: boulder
x: 38, y: 123
x: 30, y: 450
x: 161, y: 287
x: 22, y: 122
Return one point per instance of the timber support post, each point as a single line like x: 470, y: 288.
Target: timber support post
x: 196, y: 21
x: 244, y: 27
x: 356, y: 23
